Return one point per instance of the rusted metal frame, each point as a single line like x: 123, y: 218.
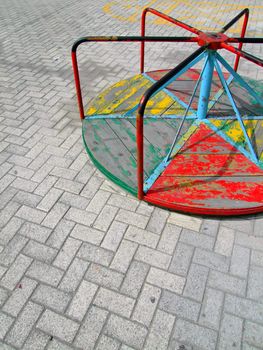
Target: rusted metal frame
x: 167, y: 18
x: 244, y: 12
x: 142, y: 105
x: 111, y: 39
x: 243, y: 54
x: 253, y: 154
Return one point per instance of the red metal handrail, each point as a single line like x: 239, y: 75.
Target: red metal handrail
x: 167, y: 18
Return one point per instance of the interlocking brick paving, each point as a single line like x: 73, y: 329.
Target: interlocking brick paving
x: 83, y: 265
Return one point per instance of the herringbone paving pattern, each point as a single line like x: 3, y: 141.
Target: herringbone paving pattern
x: 83, y: 265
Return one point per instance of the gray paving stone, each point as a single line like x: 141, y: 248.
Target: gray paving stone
x: 211, y: 309
x: 166, y: 280
x: 104, y: 276
x: 55, y: 215
x: 91, y: 328
x: 157, y: 220
x: 7, y: 213
x: 190, y: 223
x: 80, y: 216
x: 134, y: 279
x: 209, y: 227
x: 212, y: 260
x: 23, y: 324
x: 196, y: 239
x: 123, y: 202
x: 244, y: 308
x: 5, y: 324
x: 25, y: 185
x: 58, y: 326
x: 114, y: 302
x: 153, y: 257
x: 87, y: 234
x: 31, y: 214
x: 193, y: 334
x: 240, y: 261
x: 74, y: 200
x: 3, y: 296
x: 230, y: 333
x: 257, y: 258
x: 10, y: 230
x: 61, y: 232
x: 160, y: 331
x: 227, y: 283
x: 105, y: 218
x: 124, y: 256
x: 28, y: 199
x: 253, y: 334
x: 225, y: 241
x: 45, y: 273
x: 13, y: 248
x: 107, y: 343
x: 15, y: 272
x: 179, y: 306
x: 51, y: 297
x: 181, y: 259
x: 67, y: 253
x: 132, y: 218
x: 36, y: 340
x: 74, y: 275
x: 98, y: 201
x: 239, y: 224
x: 34, y: 231
x: 19, y: 296
x: 126, y: 331
x: 40, y: 251
x: 142, y: 237
x: 50, y: 199
x: 43, y: 188
x: 95, y: 254
x: 196, y: 282
x: 249, y: 241
x: 169, y: 238
x: 146, y: 305
x: 114, y: 236
x: 82, y: 300
x: 255, y: 283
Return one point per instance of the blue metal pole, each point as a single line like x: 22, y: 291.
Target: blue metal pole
x: 205, y: 88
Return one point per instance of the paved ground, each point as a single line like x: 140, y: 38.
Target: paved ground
x: 82, y: 265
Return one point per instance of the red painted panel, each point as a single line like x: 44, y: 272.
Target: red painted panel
x: 222, y: 180
x: 206, y: 141
x: 212, y: 164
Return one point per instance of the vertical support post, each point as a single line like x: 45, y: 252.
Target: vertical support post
x: 243, y: 32
x: 205, y: 88
x: 77, y: 82
x: 139, y: 136
x: 143, y: 43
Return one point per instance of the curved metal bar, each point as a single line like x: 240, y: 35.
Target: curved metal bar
x: 165, y: 17
x: 142, y: 105
x: 234, y: 20
x: 243, y: 54
x: 112, y: 39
